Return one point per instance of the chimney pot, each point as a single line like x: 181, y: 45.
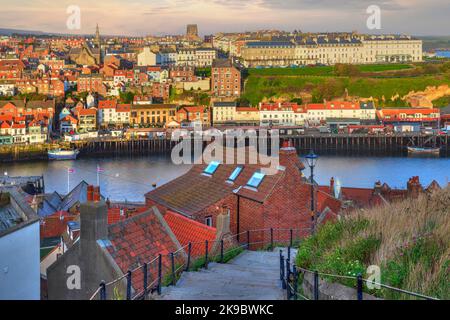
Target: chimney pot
x: 96, y: 194
x: 90, y: 193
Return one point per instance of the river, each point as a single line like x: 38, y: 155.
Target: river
x: 126, y: 178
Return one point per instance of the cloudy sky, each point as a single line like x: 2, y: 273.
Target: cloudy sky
x: 143, y: 17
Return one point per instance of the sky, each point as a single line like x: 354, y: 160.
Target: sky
x: 157, y: 17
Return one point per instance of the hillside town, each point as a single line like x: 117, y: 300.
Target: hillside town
x: 69, y: 88
x: 130, y: 92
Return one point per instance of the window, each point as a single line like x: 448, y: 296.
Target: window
x: 256, y: 179
x: 211, y: 168
x: 208, y: 221
x: 235, y: 174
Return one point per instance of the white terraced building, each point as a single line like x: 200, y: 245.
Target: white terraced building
x: 323, y: 49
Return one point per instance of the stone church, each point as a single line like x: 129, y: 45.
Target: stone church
x: 87, y: 55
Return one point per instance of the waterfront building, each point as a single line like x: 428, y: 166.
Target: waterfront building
x: 281, y: 114
x: 87, y: 120
x: 247, y: 116
x: 318, y: 113
x: 415, y: 117
x: 110, y: 113
x: 225, y: 79
x: 188, y: 115
x: 154, y: 115
x: 223, y: 112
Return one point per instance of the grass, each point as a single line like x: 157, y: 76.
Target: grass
x: 442, y: 102
x: 258, y: 88
x: 323, y: 70
x: 408, y: 240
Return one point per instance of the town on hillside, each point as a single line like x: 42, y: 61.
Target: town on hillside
x: 356, y: 206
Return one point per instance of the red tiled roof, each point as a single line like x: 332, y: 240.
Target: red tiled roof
x: 248, y: 109
x: 87, y: 112
x: 114, y: 215
x: 107, y: 104
x: 123, y: 108
x: 325, y: 200
x: 187, y: 230
x: 139, y: 240
x: 55, y: 224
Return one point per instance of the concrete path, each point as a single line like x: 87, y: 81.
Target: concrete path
x: 253, y: 275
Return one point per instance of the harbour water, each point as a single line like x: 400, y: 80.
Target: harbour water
x: 129, y: 178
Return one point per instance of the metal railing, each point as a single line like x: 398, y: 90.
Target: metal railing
x: 289, y: 276
x: 165, y: 270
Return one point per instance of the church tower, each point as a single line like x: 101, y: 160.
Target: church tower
x: 98, y: 41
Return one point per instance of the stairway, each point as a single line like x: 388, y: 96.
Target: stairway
x: 253, y: 275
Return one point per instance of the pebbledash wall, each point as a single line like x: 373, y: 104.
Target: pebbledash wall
x: 19, y: 264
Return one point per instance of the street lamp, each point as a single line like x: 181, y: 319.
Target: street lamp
x: 311, y: 159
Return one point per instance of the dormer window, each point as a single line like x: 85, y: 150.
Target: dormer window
x: 256, y: 180
x: 212, y: 167
x: 235, y: 174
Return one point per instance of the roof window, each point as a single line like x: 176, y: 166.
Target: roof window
x: 235, y: 174
x: 212, y: 167
x: 256, y: 179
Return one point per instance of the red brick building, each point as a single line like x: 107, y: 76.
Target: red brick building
x: 161, y: 91
x: 182, y: 74
x: 225, y: 79
x: 255, y: 201
x: 91, y: 83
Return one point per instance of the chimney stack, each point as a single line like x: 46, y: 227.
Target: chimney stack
x: 93, y: 221
x: 332, y: 186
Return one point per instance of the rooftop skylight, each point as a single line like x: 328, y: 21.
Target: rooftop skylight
x: 235, y: 174
x: 256, y: 179
x: 212, y: 167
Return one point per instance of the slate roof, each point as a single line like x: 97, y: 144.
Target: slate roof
x: 15, y: 212
x: 196, y: 191
x: 55, y: 202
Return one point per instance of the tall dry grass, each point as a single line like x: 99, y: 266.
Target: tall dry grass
x: 401, y: 225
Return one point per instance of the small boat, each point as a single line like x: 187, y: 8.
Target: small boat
x: 59, y: 154
x: 423, y: 150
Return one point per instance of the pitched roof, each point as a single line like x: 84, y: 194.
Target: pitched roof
x: 195, y: 190
x: 107, y: 104
x: 189, y: 231
x: 139, y: 240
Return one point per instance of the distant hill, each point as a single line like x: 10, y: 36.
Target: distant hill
x: 433, y: 43
x: 9, y: 32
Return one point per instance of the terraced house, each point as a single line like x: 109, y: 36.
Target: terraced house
x: 154, y: 115
x: 331, y: 49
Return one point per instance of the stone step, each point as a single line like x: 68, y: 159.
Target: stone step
x: 253, y: 275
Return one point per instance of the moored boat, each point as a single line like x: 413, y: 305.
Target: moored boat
x: 423, y: 150
x: 59, y: 154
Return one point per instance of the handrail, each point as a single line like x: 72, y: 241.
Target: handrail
x: 363, y: 280
x: 240, y: 245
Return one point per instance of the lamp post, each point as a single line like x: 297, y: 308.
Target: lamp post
x: 311, y: 159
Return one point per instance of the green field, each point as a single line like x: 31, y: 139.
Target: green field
x: 324, y: 70
x: 321, y: 83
